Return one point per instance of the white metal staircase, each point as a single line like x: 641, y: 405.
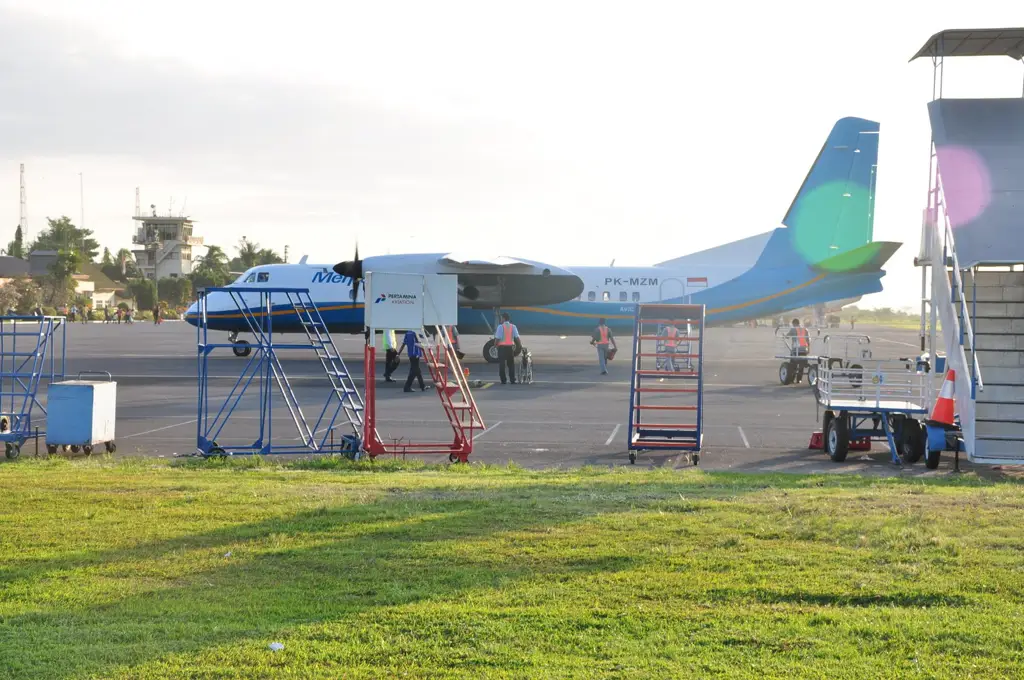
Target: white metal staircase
x: 995, y: 300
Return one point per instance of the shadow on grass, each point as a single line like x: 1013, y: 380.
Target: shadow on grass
x: 398, y: 550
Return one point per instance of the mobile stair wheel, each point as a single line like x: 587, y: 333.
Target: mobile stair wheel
x: 666, y: 407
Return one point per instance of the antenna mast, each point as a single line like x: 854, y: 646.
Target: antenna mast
x: 23, y: 210
x: 138, y: 208
x: 81, y: 198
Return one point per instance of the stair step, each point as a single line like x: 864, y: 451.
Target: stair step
x: 998, y: 310
x: 460, y: 405
x: 1006, y: 375
x: 989, y: 360
x: 996, y: 341
x: 996, y: 393
x: 1007, y: 326
x: 999, y: 429
x: 999, y: 411
x: 1002, y: 450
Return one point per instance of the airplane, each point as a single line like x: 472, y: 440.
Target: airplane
x: 823, y: 252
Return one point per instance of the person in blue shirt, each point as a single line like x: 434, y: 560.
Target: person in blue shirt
x: 415, y: 352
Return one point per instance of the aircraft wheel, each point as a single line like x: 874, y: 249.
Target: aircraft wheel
x: 786, y: 373
x: 837, y: 438
x: 491, y: 352
x: 242, y: 348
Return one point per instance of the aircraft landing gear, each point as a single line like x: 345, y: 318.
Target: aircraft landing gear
x: 491, y: 352
x: 241, y: 348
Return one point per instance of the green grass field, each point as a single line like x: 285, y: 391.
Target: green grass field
x: 143, y: 570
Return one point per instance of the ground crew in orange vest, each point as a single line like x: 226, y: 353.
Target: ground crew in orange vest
x: 505, y: 337
x: 668, y: 346
x: 600, y: 339
x: 800, y: 346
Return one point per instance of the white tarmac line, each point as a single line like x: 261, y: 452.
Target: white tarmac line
x: 159, y: 429
x: 611, y: 437
x: 744, y: 436
x: 896, y: 342
x: 487, y: 430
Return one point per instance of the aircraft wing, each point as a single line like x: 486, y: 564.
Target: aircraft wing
x: 485, y: 282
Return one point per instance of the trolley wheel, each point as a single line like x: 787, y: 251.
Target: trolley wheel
x: 812, y: 376
x: 931, y: 459
x: 632, y: 457
x: 857, y: 377
x: 75, y: 448
x: 837, y: 438
x: 217, y: 452
x: 786, y: 373
x: 87, y: 450
x: 111, y: 447
x: 696, y: 459
x: 242, y: 348
x: 912, y: 443
x: 12, y: 450
x: 454, y: 458
x: 491, y: 352
x: 51, y: 449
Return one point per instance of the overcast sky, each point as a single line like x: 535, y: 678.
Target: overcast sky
x: 568, y: 132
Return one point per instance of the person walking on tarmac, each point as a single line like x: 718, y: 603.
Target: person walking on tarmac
x: 390, y: 355
x: 799, y: 346
x: 601, y: 338
x: 415, y: 352
x: 506, y: 336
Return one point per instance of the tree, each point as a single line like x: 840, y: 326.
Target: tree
x: 30, y: 295
x: 122, y: 266
x: 175, y: 292
x: 61, y: 234
x: 59, y: 284
x: 16, y: 248
x: 212, y: 269
x: 144, y: 293
x: 9, y: 297
x: 251, y: 255
x: 108, y: 259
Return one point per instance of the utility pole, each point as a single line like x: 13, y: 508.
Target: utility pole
x: 23, y: 211
x: 138, y: 209
x: 81, y: 198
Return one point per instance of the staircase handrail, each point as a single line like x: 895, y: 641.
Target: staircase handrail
x: 949, y: 254
x: 454, y: 368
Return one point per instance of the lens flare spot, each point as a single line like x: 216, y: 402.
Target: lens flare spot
x: 829, y: 222
x: 966, y: 183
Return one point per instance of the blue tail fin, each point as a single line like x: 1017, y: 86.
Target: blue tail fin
x: 834, y: 210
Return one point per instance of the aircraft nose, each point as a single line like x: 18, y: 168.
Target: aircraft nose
x: 192, y: 314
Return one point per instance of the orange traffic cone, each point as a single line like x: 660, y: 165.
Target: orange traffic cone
x: 942, y: 412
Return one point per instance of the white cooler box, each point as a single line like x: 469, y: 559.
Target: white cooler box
x: 81, y: 414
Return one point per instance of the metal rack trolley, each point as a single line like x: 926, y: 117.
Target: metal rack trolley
x: 794, y: 363
x: 884, y: 400
x: 682, y: 395
x: 32, y: 349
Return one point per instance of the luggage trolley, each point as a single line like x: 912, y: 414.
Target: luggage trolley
x: 794, y: 363
x: 524, y: 369
x: 883, y: 400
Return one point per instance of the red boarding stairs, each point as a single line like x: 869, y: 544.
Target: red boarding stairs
x: 452, y: 386
x: 666, y: 392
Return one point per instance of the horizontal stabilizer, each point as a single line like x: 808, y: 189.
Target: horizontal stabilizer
x: 869, y: 257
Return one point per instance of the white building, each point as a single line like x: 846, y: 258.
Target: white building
x: 163, y: 246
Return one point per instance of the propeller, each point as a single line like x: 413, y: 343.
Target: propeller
x: 354, y: 270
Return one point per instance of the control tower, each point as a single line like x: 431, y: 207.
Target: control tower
x: 163, y: 245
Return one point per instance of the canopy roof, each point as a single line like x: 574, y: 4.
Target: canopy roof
x: 979, y: 42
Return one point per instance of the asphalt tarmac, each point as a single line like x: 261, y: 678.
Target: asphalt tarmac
x: 570, y: 416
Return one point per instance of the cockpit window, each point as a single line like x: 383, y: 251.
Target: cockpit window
x: 262, y: 277
x: 250, y: 278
